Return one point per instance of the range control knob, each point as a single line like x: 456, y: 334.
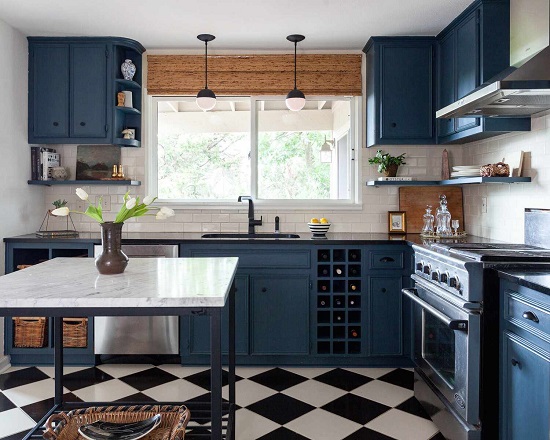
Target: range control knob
x: 435, y: 275
x: 444, y: 277
x: 419, y: 266
x: 453, y: 282
x: 427, y: 269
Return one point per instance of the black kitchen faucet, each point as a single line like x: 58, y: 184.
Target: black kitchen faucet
x: 251, y: 222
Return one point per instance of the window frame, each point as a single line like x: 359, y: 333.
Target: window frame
x: 355, y: 137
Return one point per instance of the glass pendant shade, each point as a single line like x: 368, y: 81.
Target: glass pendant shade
x: 295, y: 100
x: 325, y: 154
x: 206, y: 99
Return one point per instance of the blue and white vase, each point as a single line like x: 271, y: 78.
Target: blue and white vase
x: 128, y: 69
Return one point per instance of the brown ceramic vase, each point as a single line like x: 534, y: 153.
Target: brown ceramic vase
x: 391, y: 171
x: 112, y: 260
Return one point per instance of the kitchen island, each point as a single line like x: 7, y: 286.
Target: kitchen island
x: 149, y: 287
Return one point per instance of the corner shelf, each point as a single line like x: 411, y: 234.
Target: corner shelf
x: 84, y: 182
x: 459, y: 181
x: 127, y: 142
x: 128, y: 84
x: 128, y: 110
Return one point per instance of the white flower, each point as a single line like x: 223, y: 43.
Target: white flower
x: 131, y: 203
x: 148, y: 200
x: 62, y: 212
x: 82, y: 194
x: 168, y: 212
x: 160, y: 216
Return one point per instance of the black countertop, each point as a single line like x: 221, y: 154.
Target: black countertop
x: 305, y: 237
x: 534, y: 279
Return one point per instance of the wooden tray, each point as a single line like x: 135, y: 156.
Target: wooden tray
x: 413, y: 200
x: 64, y: 426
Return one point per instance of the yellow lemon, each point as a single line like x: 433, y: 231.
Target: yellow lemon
x: 314, y: 220
x: 324, y: 220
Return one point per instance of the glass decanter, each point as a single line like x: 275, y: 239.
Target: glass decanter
x: 428, y: 217
x: 443, y: 218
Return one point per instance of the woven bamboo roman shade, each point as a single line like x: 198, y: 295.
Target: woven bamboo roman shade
x: 232, y: 75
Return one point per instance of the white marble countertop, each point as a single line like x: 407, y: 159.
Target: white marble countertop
x: 146, y: 282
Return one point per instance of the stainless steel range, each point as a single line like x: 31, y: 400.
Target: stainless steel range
x: 455, y: 315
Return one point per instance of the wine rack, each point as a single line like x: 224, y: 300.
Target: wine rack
x: 339, y: 323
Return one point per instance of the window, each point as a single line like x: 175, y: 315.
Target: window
x: 254, y: 146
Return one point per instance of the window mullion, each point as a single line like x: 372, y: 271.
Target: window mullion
x: 254, y: 147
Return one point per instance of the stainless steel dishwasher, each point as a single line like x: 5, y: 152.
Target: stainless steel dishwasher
x: 138, y: 334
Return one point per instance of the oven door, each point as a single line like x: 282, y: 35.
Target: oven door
x: 447, y: 347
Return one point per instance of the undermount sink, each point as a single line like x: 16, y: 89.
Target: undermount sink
x: 246, y: 235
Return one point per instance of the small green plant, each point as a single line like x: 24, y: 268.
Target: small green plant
x: 386, y: 160
x: 59, y: 204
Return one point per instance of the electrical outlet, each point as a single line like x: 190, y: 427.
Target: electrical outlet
x: 484, y: 205
x: 105, y: 202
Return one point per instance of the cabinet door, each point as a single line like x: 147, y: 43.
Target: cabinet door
x: 89, y: 90
x: 385, y: 315
x: 199, y: 338
x: 467, y: 64
x: 406, y: 92
x: 279, y: 314
x: 48, y: 91
x: 447, y: 81
x: 526, y: 389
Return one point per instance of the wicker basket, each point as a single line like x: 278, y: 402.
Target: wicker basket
x: 29, y: 332
x: 174, y: 419
x: 75, y: 332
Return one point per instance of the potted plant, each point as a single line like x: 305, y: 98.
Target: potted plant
x: 387, y: 163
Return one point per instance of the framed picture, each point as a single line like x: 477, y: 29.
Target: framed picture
x: 396, y: 222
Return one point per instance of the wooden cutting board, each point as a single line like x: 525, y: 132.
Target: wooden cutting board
x: 413, y: 200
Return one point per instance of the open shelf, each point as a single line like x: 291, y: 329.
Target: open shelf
x: 128, y: 110
x: 84, y: 182
x: 458, y: 181
x: 127, y: 142
x: 128, y: 84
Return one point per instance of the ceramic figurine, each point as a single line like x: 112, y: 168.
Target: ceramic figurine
x: 128, y: 69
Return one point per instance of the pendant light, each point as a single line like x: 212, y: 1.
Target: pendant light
x: 326, y: 151
x: 295, y: 100
x: 206, y: 98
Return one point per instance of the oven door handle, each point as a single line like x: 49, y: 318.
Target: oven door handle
x: 453, y: 324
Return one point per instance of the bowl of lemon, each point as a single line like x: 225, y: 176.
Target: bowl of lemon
x: 319, y: 227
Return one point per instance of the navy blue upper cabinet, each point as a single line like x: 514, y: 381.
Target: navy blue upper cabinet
x: 72, y: 90
x: 400, y: 90
x: 471, y: 50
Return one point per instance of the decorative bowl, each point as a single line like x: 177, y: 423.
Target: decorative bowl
x: 318, y: 229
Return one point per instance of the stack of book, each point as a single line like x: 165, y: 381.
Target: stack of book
x: 42, y: 161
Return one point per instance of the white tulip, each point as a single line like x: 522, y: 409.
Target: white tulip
x: 82, y: 194
x: 62, y: 212
x: 131, y: 203
x: 168, y: 212
x: 148, y: 200
x: 161, y: 216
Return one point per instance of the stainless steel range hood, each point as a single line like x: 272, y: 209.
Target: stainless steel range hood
x: 524, y: 88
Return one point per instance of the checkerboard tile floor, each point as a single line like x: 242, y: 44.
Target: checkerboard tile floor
x: 272, y: 403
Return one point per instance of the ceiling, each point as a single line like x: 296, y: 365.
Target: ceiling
x: 258, y: 25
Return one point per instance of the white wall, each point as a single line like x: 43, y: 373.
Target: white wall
x: 22, y: 205
x: 506, y: 203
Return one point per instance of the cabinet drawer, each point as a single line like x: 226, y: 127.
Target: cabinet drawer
x: 386, y: 260
x: 261, y: 258
x: 528, y: 313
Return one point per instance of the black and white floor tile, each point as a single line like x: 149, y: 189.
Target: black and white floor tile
x: 273, y: 403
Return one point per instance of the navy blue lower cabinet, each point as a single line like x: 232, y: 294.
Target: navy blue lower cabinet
x: 526, y: 389
x: 524, y: 363
x: 17, y: 257
x: 385, y: 311
x: 199, y: 326
x: 279, y: 312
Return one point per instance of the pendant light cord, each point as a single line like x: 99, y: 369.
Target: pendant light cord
x: 295, y: 45
x: 206, y: 65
